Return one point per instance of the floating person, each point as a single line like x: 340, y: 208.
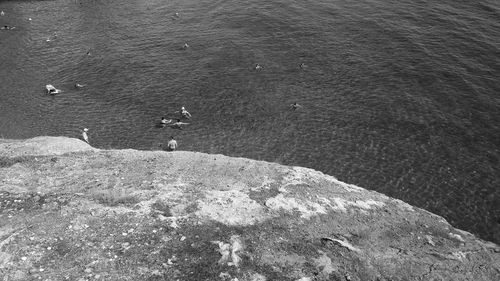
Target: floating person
x: 302, y: 65
x: 29, y: 18
x: 88, y: 52
x: 51, y: 90
x: 77, y: 85
x: 177, y: 15
x: 7, y: 27
x: 295, y: 106
x: 258, y: 67
x: 178, y: 124
x: 2, y: 14
x: 172, y: 144
x: 164, y: 121
x: 185, y: 46
x: 185, y: 113
x: 84, y: 135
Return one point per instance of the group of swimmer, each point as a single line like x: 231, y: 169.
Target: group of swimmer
x: 7, y: 27
x: 51, y: 90
x: 177, y: 124
x: 172, y: 143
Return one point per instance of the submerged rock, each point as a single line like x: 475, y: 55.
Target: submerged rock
x: 152, y: 215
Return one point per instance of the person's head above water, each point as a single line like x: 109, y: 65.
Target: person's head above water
x: 85, y: 130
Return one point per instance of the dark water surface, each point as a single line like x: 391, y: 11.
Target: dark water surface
x: 402, y: 97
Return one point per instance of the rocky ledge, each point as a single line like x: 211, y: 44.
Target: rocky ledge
x: 72, y: 212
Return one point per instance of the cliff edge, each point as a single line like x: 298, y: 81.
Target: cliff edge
x: 72, y: 212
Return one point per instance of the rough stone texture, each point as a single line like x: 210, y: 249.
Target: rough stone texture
x: 72, y: 212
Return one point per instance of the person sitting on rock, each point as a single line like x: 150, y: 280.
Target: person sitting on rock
x: 172, y: 144
x: 84, y: 135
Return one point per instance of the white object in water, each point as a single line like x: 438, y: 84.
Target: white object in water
x: 29, y: 18
x: 2, y: 13
x: 51, y: 90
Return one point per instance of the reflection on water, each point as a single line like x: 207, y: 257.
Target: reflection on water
x: 397, y: 96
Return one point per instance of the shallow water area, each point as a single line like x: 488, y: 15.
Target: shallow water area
x: 397, y: 96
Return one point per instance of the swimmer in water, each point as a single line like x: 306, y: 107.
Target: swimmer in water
x: 6, y: 27
x: 79, y: 85
x: 295, y: 106
x: 178, y: 124
x: 302, y: 65
x: 185, y: 113
x: 176, y: 15
x: 164, y: 121
x: 185, y: 46
x: 258, y: 67
x: 84, y: 135
x: 2, y: 14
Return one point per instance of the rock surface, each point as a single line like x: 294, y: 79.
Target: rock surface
x: 72, y: 212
